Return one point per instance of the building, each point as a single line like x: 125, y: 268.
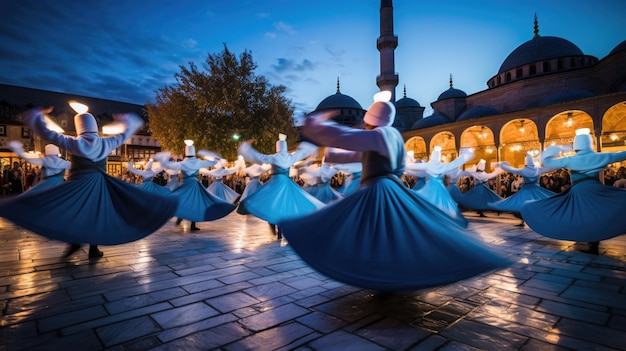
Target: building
x: 544, y: 90
x: 14, y: 100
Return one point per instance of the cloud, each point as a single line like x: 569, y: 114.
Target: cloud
x: 288, y: 65
x: 189, y: 43
x: 337, y: 53
x: 271, y: 35
x: 284, y: 27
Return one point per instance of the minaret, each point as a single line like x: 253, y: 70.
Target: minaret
x: 386, y: 44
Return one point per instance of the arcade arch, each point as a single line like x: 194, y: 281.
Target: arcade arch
x: 517, y: 137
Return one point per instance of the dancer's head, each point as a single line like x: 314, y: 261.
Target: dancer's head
x: 52, y: 150
x: 190, y: 150
x: 481, y: 165
x: 380, y: 114
x: 281, y: 144
x: 85, y: 123
x: 436, y: 154
x: 583, y: 140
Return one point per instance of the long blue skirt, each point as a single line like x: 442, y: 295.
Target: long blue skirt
x: 515, y: 202
x: 435, y: 192
x: 91, y: 208
x: 278, y: 199
x: 385, y: 237
x: 324, y: 192
x: 152, y: 187
x: 222, y: 191
x: 197, y: 204
x: 589, y: 211
x: 477, y: 198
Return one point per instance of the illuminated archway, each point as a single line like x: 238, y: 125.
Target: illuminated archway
x: 418, y: 146
x: 448, y: 146
x: 481, y: 140
x: 518, y: 137
x: 561, y: 128
x: 614, y: 128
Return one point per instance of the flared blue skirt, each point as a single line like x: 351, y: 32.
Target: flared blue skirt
x: 589, y: 211
x: 324, y: 192
x: 152, y: 187
x: 278, y: 199
x: 477, y: 198
x: 387, y: 238
x: 92, y: 208
x: 515, y: 202
x: 48, y: 183
x: 197, y: 204
x: 437, y: 194
x: 222, y: 191
x: 251, y: 188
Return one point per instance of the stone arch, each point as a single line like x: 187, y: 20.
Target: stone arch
x: 480, y: 138
x: 614, y: 128
x: 517, y: 137
x: 561, y: 128
x: 447, y: 141
x: 417, y: 144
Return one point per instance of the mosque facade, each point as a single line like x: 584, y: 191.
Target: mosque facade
x: 544, y: 90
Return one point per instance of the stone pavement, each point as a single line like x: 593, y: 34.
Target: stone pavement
x: 234, y: 286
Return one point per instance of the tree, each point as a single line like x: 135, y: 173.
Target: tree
x: 220, y: 106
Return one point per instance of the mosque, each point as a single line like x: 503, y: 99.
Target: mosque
x: 544, y: 90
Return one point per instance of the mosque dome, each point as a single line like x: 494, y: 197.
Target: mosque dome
x: 338, y: 101
x: 431, y: 121
x: 477, y: 112
x: 407, y: 102
x: 452, y: 93
x: 620, y: 47
x: 566, y: 95
x: 539, y: 49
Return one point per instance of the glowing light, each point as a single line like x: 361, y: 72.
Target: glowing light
x: 236, y: 137
x: 78, y: 107
x: 437, y: 148
x: 188, y: 142
x: 52, y: 125
x: 521, y: 126
x: 113, y: 128
x: 614, y: 137
x: 383, y: 96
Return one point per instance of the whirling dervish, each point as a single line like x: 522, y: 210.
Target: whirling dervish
x: 254, y: 172
x: 529, y: 190
x: 589, y: 211
x: 217, y: 187
x: 480, y: 195
x: 434, y: 190
x: 384, y: 236
x: 91, y: 207
x: 322, y: 175
x: 351, y: 173
x: 196, y: 203
x: 280, y: 197
x: 53, y: 166
x: 146, y: 175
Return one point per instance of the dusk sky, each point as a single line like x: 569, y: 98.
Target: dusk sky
x: 126, y: 50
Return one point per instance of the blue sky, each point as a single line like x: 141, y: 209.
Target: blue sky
x: 125, y: 50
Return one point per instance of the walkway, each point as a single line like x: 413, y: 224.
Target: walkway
x: 234, y: 286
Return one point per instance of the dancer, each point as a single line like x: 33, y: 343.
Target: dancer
x: 218, y: 188
x: 383, y: 237
x: 254, y: 172
x: 434, y: 190
x: 530, y: 189
x: 480, y: 196
x: 280, y: 197
x: 147, y: 184
x: 53, y: 166
x: 91, y: 206
x: 589, y: 211
x: 196, y: 203
x: 321, y: 177
x: 351, y: 177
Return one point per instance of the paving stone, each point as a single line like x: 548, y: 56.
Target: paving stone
x: 184, y: 315
x: 233, y: 286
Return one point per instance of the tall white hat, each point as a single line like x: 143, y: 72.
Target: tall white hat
x: 380, y: 114
x: 583, y: 140
x: 281, y: 144
x: 51, y: 150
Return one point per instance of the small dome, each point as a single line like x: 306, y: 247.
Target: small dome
x: 452, y: 93
x: 477, y: 112
x: 338, y: 100
x: 539, y: 49
x: 431, y: 121
x: 566, y: 95
x: 620, y: 47
x: 407, y: 102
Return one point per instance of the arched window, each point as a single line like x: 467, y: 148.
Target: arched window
x: 508, y: 76
x: 519, y: 73
x: 559, y: 64
x: 532, y: 70
x: 546, y: 66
